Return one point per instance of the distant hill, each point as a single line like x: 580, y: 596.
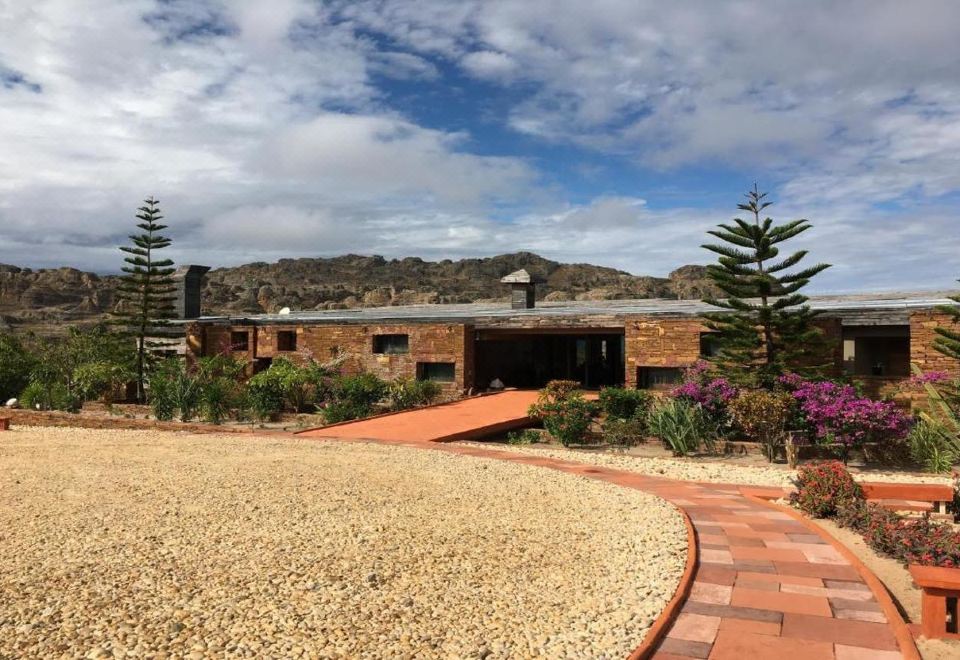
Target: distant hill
x: 44, y: 300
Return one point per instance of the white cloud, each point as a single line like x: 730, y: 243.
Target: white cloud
x: 489, y: 64
x: 262, y: 127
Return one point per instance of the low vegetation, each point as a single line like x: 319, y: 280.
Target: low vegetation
x: 826, y: 490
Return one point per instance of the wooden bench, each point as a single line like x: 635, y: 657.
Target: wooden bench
x: 902, y: 496
x: 5, y: 423
x: 941, y: 590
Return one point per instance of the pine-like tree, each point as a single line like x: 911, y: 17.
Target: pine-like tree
x: 948, y: 341
x: 767, y: 328
x: 146, y: 291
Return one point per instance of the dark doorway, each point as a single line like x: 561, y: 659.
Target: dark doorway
x: 531, y: 360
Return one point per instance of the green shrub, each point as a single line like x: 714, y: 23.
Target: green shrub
x: 364, y: 390
x: 54, y: 396
x: 933, y: 445
x: 824, y: 488
x: 162, y: 401
x: 265, y: 395
x: 558, y: 390
x: 568, y: 420
x: 625, y: 432
x: 623, y: 403
x: 216, y: 399
x: 763, y: 417
x: 680, y: 425
x: 343, y: 411
x: 405, y: 393
x: 35, y: 397
x: 524, y: 437
x: 16, y: 364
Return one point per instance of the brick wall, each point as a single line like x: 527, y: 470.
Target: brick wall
x: 427, y: 343
x: 660, y: 343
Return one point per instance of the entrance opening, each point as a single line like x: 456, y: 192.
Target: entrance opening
x: 531, y: 359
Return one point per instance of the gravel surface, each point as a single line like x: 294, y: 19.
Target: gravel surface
x: 150, y: 544
x: 698, y: 469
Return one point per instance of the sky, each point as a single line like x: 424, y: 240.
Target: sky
x: 615, y: 132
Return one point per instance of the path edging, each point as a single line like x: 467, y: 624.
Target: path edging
x: 901, y: 630
x: 670, y: 613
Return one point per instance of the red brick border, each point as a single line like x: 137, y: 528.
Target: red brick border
x: 660, y: 627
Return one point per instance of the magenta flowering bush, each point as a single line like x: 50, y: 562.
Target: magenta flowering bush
x: 836, y: 413
x: 711, y: 394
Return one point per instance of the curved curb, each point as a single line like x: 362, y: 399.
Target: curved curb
x: 663, y: 622
x: 901, y: 630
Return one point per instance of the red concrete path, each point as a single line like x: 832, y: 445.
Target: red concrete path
x: 467, y: 418
x: 766, y: 585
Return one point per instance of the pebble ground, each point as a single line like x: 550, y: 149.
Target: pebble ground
x: 151, y: 544
x: 710, y: 471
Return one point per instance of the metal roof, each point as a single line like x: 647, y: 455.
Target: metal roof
x: 476, y: 313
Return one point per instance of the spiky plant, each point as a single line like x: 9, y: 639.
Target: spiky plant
x: 767, y: 327
x: 948, y: 341
x: 146, y: 290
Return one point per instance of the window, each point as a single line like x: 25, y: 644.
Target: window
x: 391, y: 344
x: 882, y: 351
x: 658, y: 377
x: 709, y: 345
x: 239, y: 342
x: 442, y: 372
x: 287, y: 340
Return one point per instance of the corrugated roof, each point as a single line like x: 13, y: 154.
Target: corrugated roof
x: 477, y: 312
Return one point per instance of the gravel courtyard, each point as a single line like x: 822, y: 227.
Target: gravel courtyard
x: 133, y: 543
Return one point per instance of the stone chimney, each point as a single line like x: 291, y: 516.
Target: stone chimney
x: 189, y: 280
x: 523, y: 289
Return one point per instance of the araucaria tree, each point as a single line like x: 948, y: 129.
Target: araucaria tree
x: 766, y: 328
x: 948, y: 341
x: 146, y: 290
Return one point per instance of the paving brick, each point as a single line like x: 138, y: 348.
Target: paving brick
x: 806, y: 569
x: 716, y: 574
x: 869, y: 605
x: 716, y: 556
x: 846, y: 584
x: 749, y: 626
x: 695, y: 627
x: 848, y: 594
x: 781, y: 579
x: 859, y: 615
x: 732, y: 645
x: 731, y: 612
x: 845, y: 652
x: 780, y: 602
x: 746, y: 542
x: 684, y: 648
x: 705, y: 592
x: 839, y: 631
x: 806, y: 538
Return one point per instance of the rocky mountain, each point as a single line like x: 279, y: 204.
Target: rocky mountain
x: 46, y: 300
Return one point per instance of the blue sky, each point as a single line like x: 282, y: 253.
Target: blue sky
x: 615, y: 132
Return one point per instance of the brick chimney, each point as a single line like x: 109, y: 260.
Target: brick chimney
x: 523, y: 289
x: 189, y: 280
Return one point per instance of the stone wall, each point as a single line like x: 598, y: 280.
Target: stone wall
x: 660, y: 343
x: 323, y: 343
x: 922, y: 334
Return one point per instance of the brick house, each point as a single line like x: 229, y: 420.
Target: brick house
x: 637, y: 343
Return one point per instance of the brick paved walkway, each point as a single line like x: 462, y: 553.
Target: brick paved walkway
x: 466, y: 418
x: 766, y: 585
